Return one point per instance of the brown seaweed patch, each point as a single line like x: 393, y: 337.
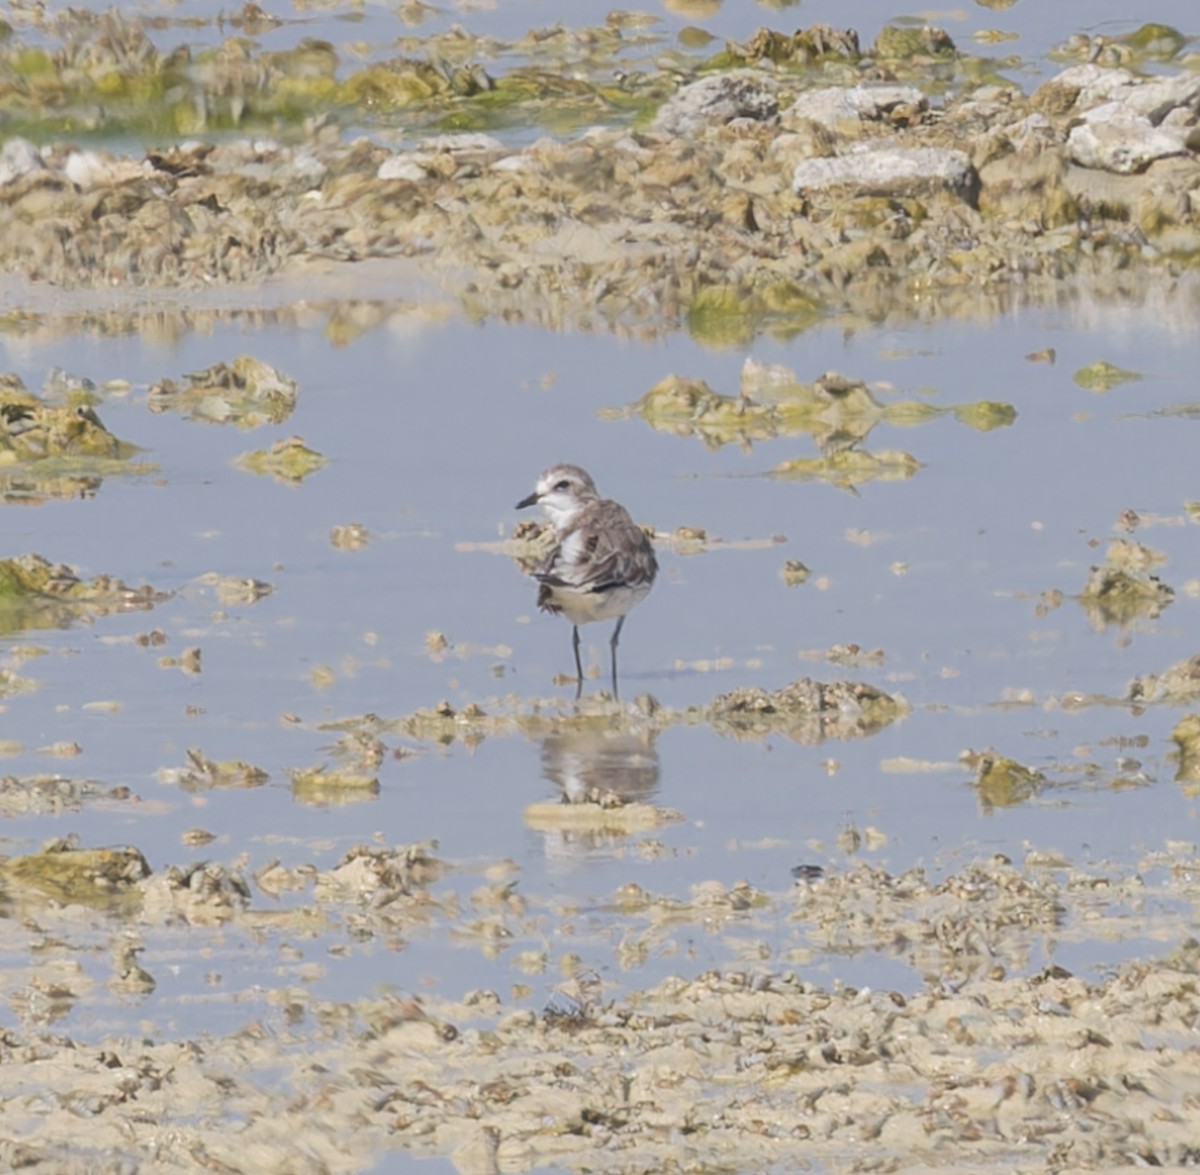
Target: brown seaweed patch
x: 1177, y: 683
x: 1122, y: 589
x: 1001, y: 782
x: 806, y: 710
x: 201, y: 773
x: 246, y: 392
x: 54, y: 794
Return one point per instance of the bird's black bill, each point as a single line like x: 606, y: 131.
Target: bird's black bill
x: 530, y: 501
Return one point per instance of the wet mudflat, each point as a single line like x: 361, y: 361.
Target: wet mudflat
x: 887, y: 855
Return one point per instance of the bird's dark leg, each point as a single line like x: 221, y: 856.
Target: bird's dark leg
x: 578, y: 663
x: 616, y: 636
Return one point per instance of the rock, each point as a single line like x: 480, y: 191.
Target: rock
x: 892, y: 171
x: 401, y: 167
x: 1114, y: 138
x: 832, y: 105
x: 473, y: 143
x: 713, y: 101
x: 88, y: 170
x: 305, y: 166
x: 1082, y: 87
x: 18, y: 157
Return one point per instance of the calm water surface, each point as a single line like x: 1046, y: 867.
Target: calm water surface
x: 434, y: 434
x: 435, y: 429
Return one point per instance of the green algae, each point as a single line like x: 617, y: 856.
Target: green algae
x: 1186, y: 737
x: 1002, y: 782
x: 289, y: 460
x: 905, y: 42
x: 105, y: 77
x: 1123, y: 589
x: 723, y: 316
x: 64, y: 873
x: 809, y: 48
x: 986, y: 415
x: 37, y: 594
x: 1159, y: 42
x: 1103, y: 376
x: 835, y: 410
x: 322, y: 786
x: 850, y: 467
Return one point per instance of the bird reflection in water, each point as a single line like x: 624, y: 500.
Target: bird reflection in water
x: 607, y: 768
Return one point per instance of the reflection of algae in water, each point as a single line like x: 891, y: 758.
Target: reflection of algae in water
x: 986, y: 415
x: 289, y: 460
x: 203, y: 773
x: 324, y: 786
x: 1103, y: 377
x: 1186, y: 737
x: 724, y: 316
x: 592, y: 817
x: 106, y: 77
x: 728, y: 316
x: 850, y: 467
x: 246, y: 392
x: 36, y: 594
x: 1156, y: 40
x: 833, y: 408
x: 1122, y: 589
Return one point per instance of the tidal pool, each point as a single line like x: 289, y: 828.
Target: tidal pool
x: 286, y: 876
x: 433, y: 430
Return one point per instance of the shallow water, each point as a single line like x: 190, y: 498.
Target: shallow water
x: 434, y: 433
x: 434, y: 427
x: 1030, y: 30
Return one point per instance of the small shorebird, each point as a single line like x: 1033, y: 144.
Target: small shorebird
x: 602, y: 564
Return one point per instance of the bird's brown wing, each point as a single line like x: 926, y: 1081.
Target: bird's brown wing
x: 604, y: 549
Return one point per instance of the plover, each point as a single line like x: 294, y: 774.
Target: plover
x: 602, y: 564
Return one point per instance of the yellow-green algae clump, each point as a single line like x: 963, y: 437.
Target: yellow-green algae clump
x: 38, y: 594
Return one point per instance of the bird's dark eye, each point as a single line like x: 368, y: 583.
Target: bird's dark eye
x: 562, y: 485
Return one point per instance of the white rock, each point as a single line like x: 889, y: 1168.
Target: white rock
x: 897, y: 171
x: 713, y: 101
x: 19, y: 157
x: 516, y: 162
x: 1112, y: 138
x: 305, y: 165
x: 833, y: 104
x: 461, y: 142
x: 88, y: 169
x: 401, y: 167
x: 1157, y: 97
